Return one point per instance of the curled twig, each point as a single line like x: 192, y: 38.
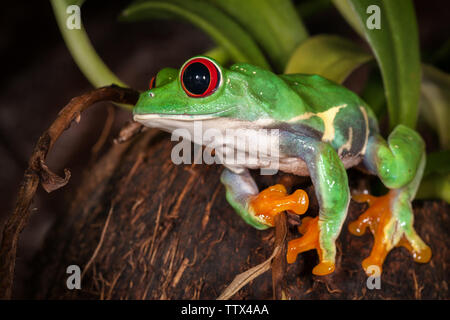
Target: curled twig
x: 37, y: 172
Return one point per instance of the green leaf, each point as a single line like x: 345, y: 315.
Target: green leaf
x: 396, y: 48
x: 435, y: 102
x: 332, y: 57
x: 81, y: 48
x: 225, y: 32
x: 275, y: 25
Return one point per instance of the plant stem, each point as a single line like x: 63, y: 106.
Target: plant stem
x: 82, y: 51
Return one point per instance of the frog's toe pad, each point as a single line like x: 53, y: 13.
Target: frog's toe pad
x: 323, y: 268
x: 273, y: 200
x: 422, y: 253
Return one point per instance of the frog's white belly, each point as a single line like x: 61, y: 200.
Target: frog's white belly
x: 286, y: 164
x: 238, y: 144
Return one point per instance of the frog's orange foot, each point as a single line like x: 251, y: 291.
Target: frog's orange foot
x: 273, y: 200
x: 309, y: 241
x: 388, y: 232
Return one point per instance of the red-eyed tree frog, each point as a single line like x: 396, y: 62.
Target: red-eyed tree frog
x: 323, y: 128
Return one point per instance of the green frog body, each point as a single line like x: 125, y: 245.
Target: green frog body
x: 321, y: 128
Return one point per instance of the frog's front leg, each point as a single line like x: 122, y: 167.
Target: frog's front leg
x: 399, y: 164
x: 260, y: 208
x: 331, y: 186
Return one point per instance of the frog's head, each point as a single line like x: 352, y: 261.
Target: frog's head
x: 202, y: 90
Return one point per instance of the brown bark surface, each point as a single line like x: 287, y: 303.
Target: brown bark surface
x: 141, y: 227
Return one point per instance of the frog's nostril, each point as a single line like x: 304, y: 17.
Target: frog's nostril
x: 151, y: 94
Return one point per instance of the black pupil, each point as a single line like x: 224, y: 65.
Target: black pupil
x: 196, y: 78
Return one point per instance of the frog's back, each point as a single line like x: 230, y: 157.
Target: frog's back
x: 342, y: 118
x: 319, y: 93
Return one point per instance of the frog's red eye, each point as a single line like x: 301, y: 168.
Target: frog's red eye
x: 152, y: 83
x: 200, y: 77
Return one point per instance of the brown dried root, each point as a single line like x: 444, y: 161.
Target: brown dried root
x: 37, y: 172
x: 129, y: 131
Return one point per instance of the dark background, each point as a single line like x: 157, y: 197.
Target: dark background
x: 39, y: 77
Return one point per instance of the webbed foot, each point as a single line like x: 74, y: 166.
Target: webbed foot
x: 309, y: 241
x: 273, y: 200
x: 390, y: 219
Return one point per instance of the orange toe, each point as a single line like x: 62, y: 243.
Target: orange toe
x: 273, y: 200
x: 421, y: 256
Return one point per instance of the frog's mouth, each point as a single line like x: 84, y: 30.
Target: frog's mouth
x: 146, y: 117
x: 177, y: 117
x: 171, y: 122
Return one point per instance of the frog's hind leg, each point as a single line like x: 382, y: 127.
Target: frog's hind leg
x: 399, y: 164
x: 260, y: 208
x: 331, y: 186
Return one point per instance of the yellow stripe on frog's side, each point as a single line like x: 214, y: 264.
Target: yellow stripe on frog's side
x: 366, y: 122
x: 327, y: 118
x: 348, y: 145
